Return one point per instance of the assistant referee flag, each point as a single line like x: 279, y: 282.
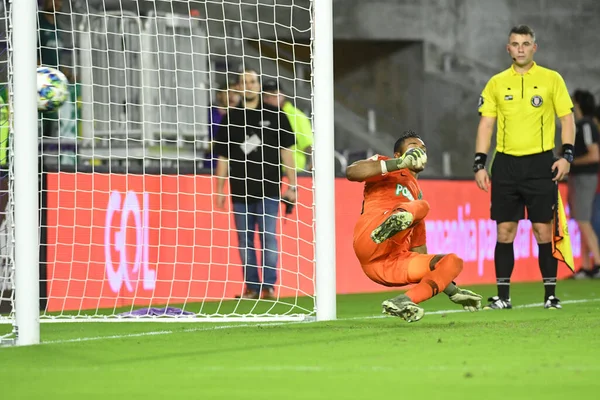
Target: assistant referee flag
x: 561, y: 242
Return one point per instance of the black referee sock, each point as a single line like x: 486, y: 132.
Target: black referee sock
x: 504, y: 258
x: 548, y: 268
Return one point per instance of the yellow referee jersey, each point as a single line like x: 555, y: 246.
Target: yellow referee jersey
x: 525, y: 107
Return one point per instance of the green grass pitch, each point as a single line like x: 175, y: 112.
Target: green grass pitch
x: 525, y: 353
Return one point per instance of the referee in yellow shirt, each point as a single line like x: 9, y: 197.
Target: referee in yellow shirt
x: 523, y: 100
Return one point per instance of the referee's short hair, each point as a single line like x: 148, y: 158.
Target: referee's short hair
x: 522, y: 30
x: 405, y: 135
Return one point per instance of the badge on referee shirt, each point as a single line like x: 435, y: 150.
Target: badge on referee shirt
x: 536, y: 101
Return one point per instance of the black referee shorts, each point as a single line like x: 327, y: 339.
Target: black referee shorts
x: 523, y: 182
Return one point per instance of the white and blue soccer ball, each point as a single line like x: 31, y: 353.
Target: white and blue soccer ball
x: 53, y: 88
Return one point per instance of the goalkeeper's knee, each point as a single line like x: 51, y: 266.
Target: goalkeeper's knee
x: 451, y: 264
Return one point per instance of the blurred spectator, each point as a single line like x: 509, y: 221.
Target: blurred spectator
x: 225, y: 96
x: 52, y: 52
x: 252, y: 143
x: 583, y: 181
x: 596, y: 211
x: 52, y: 49
x: 299, y: 122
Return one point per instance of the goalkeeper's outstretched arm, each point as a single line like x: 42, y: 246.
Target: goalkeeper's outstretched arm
x: 362, y: 170
x: 414, y: 159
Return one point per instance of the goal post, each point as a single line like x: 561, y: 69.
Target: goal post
x: 25, y: 160
x: 130, y: 226
x: 324, y: 160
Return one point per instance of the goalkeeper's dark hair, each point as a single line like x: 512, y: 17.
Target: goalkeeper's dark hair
x: 406, y: 135
x: 522, y: 30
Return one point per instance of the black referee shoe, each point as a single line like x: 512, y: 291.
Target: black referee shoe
x: 496, y: 303
x: 552, y: 303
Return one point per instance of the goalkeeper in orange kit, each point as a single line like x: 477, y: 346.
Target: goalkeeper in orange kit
x: 389, y: 238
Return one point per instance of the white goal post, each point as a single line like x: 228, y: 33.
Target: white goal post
x: 112, y: 213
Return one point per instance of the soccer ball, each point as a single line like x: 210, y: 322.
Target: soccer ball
x: 53, y: 89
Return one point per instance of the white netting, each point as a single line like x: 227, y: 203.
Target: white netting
x: 6, y: 183
x: 129, y: 216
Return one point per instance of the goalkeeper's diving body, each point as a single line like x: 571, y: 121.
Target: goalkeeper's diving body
x: 389, y: 238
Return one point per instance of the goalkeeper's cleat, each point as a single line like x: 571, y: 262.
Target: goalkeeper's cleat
x: 395, y: 223
x: 401, y: 306
x: 496, y: 303
x: 552, y: 303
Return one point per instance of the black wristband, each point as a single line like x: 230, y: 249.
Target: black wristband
x: 479, y: 163
x: 480, y: 158
x: 567, y: 152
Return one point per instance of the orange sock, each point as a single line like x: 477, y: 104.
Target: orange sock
x: 418, y: 208
x: 436, y: 280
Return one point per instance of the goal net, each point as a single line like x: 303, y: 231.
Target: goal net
x: 6, y: 184
x: 130, y: 224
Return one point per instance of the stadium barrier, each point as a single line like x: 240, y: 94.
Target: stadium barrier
x: 155, y: 236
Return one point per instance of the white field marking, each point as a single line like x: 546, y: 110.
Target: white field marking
x: 213, y: 328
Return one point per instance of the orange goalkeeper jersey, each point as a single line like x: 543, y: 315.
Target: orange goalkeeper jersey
x: 385, y: 192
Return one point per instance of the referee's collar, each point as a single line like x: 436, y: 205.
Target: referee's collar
x: 531, y: 70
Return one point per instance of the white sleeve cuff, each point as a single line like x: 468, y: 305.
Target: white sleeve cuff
x: 384, y: 169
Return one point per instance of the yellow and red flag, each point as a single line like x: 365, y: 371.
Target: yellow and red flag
x: 561, y: 242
